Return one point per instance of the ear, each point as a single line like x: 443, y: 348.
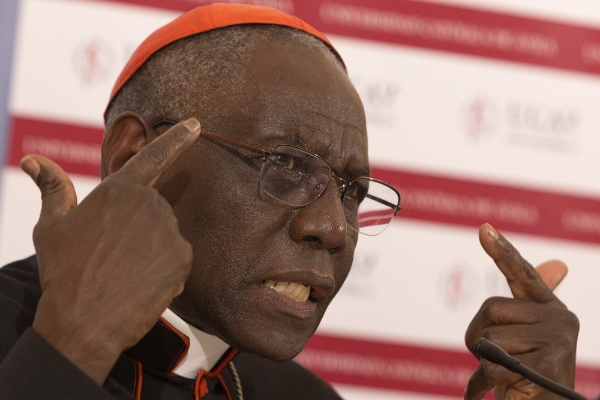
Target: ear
x: 125, y: 137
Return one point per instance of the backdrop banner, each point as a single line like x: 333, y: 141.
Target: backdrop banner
x: 474, y: 116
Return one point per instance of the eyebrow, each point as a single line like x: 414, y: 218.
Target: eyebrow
x: 309, y: 145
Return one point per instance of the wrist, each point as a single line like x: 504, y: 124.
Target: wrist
x: 92, y: 351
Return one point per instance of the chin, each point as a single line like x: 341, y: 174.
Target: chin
x: 276, y: 352
x: 270, y: 344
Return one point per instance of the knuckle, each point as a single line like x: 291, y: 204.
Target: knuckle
x: 112, y: 191
x: 496, y: 375
x: 49, y: 185
x: 490, y: 308
x: 178, y: 289
x: 187, y: 255
x: 568, y: 338
x: 38, y: 232
x: 181, y: 254
x: 487, y: 370
x: 573, y: 321
x: 488, y: 334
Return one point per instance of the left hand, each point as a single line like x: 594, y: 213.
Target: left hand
x: 535, y: 326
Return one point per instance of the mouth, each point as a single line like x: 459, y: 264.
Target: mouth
x: 295, y: 291
x: 311, y: 290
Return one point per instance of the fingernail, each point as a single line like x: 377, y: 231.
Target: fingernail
x: 192, y: 125
x: 491, y: 232
x: 30, y: 166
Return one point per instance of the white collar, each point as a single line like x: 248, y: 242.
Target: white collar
x: 204, y: 351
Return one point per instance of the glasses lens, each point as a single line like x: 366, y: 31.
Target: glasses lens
x: 370, y: 205
x: 294, y: 176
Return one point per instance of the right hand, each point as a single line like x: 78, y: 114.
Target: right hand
x: 534, y: 326
x: 111, y: 265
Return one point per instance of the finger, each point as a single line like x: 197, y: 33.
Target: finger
x: 552, y: 273
x: 520, y: 340
x: 58, y: 194
x: 479, y: 383
x: 500, y: 311
x: 523, y: 280
x: 487, y: 376
x: 147, y: 165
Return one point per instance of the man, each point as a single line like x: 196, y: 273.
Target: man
x: 245, y: 233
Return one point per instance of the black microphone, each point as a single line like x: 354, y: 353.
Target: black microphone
x: 494, y: 353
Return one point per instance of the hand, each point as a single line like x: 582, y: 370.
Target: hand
x: 111, y: 265
x: 534, y: 327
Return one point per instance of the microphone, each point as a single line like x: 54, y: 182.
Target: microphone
x: 494, y: 353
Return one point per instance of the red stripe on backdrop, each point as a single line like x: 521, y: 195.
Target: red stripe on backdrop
x: 441, y: 27
x: 471, y: 203
x: 424, y: 197
x: 75, y: 148
x: 404, y: 367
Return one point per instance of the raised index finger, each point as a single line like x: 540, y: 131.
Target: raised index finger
x: 524, y: 282
x: 146, y: 166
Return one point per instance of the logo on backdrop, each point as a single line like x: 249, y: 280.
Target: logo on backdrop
x: 462, y: 286
x: 538, y: 125
x: 458, y: 285
x: 360, y: 282
x: 379, y: 98
x: 92, y: 61
x: 543, y: 126
x: 480, y: 117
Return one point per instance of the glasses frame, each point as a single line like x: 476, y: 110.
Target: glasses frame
x: 344, y: 184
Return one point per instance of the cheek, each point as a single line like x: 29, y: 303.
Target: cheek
x: 210, y: 197
x: 345, y: 261
x: 220, y: 211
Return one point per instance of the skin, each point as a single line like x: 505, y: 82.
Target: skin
x: 534, y: 326
x: 106, y: 280
x: 204, y: 239
x: 240, y: 236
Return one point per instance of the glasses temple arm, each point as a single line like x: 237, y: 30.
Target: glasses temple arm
x: 384, y: 202
x: 234, y: 142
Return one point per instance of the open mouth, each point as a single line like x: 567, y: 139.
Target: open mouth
x: 295, y: 291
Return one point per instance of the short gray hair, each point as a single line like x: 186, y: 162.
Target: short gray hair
x: 211, y: 60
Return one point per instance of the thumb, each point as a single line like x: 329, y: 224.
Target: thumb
x: 523, y: 280
x: 552, y: 273
x: 58, y: 194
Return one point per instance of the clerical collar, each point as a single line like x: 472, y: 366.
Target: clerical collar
x: 204, y: 350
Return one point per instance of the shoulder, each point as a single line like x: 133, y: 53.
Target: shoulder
x: 19, y: 281
x: 265, y: 379
x: 19, y: 294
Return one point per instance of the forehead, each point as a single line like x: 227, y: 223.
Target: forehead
x: 296, y: 93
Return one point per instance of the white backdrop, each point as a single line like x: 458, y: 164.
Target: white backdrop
x: 472, y: 120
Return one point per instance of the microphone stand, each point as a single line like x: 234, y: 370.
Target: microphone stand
x: 494, y: 353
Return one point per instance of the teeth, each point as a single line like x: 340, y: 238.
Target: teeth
x: 293, y: 290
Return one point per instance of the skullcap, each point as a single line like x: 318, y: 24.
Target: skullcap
x: 203, y: 19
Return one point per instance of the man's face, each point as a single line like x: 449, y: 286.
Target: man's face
x: 243, y: 238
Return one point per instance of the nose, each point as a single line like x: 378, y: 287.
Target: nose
x: 322, y: 222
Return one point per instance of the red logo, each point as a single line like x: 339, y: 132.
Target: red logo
x: 480, y: 117
x: 92, y: 61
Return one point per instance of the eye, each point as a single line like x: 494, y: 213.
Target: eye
x: 283, y: 160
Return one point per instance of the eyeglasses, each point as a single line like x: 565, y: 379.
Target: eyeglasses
x: 297, y: 177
